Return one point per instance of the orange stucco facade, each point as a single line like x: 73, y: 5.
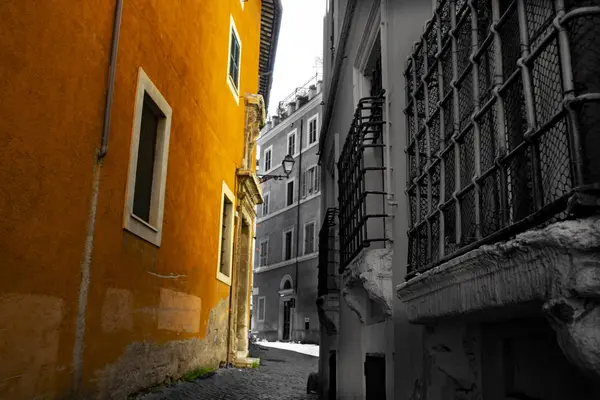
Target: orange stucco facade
x: 148, y: 311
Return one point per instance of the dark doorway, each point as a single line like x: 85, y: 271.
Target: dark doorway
x: 332, y: 376
x: 287, y: 308
x: 375, y: 376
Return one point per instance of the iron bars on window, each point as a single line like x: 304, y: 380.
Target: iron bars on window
x: 503, y: 108
x: 361, y: 181
x: 327, y: 255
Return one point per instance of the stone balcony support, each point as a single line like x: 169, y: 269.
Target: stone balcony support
x: 369, y: 273
x: 557, y: 267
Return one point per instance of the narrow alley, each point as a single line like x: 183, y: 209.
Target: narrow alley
x: 282, y: 375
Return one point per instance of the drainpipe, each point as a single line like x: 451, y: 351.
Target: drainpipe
x: 86, y: 261
x: 111, y: 79
x: 298, y: 207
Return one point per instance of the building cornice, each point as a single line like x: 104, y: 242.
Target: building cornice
x: 287, y: 208
x: 282, y: 264
x: 305, y: 109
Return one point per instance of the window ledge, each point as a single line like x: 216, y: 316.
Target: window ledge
x: 224, y: 278
x: 143, y: 230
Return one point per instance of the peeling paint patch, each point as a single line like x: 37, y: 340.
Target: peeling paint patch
x: 144, y: 364
x: 179, y: 311
x: 117, y: 310
x: 29, y: 338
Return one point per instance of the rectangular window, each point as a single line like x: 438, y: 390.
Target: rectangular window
x: 264, y: 252
x: 312, y: 129
x: 288, y: 243
x: 291, y: 143
x: 268, y: 154
x: 148, y: 162
x: 144, y: 176
x: 309, y: 238
x: 226, y: 239
x: 261, y: 308
x: 234, y: 60
x: 289, y: 193
x: 265, y: 205
x: 311, y: 180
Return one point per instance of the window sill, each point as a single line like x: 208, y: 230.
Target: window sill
x: 224, y: 278
x: 143, y: 230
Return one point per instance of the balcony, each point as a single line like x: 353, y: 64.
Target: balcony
x: 365, y: 251
x: 328, y: 289
x: 502, y: 124
x: 361, y: 182
x: 327, y: 282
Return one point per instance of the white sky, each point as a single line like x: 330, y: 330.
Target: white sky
x: 300, y: 42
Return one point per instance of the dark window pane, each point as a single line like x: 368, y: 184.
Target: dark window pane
x: 288, y: 245
x: 145, y: 162
x: 234, y: 60
x: 290, y: 193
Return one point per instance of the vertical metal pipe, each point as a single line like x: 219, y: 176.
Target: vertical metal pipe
x: 414, y: 140
x: 427, y: 137
x: 442, y: 138
x: 455, y: 92
x: 298, y: 205
x: 575, y: 146
x: 111, y: 79
x: 538, y: 191
x: 500, y: 114
x: 477, y: 105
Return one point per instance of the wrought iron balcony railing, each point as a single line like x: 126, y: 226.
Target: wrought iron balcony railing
x: 327, y: 282
x: 361, y: 181
x: 503, y: 121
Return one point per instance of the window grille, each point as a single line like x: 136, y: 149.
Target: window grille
x: 361, y: 181
x: 503, y: 106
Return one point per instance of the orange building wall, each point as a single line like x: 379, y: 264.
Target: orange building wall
x: 53, y: 75
x: 183, y: 47
x: 53, y: 70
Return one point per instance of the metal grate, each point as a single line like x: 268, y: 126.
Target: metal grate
x: 327, y: 261
x: 361, y: 181
x: 503, y: 105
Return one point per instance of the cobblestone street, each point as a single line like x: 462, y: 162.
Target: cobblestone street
x: 282, y: 375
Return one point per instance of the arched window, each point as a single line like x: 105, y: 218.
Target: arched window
x: 286, y: 283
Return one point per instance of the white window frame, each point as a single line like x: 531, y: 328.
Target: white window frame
x: 263, y: 308
x: 232, y: 85
x: 316, y: 119
x: 226, y: 192
x: 293, y: 192
x: 287, y: 143
x: 267, y: 202
x: 150, y: 231
x: 260, y: 255
x: 314, y: 224
x: 288, y: 230
x: 270, y: 151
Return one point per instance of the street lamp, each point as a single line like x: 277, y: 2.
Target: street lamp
x: 287, y: 164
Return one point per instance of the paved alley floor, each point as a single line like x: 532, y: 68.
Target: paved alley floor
x: 282, y: 375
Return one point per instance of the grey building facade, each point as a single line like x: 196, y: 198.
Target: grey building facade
x: 460, y: 231
x: 285, y: 268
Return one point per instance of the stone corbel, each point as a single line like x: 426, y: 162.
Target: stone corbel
x: 328, y: 311
x: 558, y: 266
x: 370, y: 272
x: 256, y: 116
